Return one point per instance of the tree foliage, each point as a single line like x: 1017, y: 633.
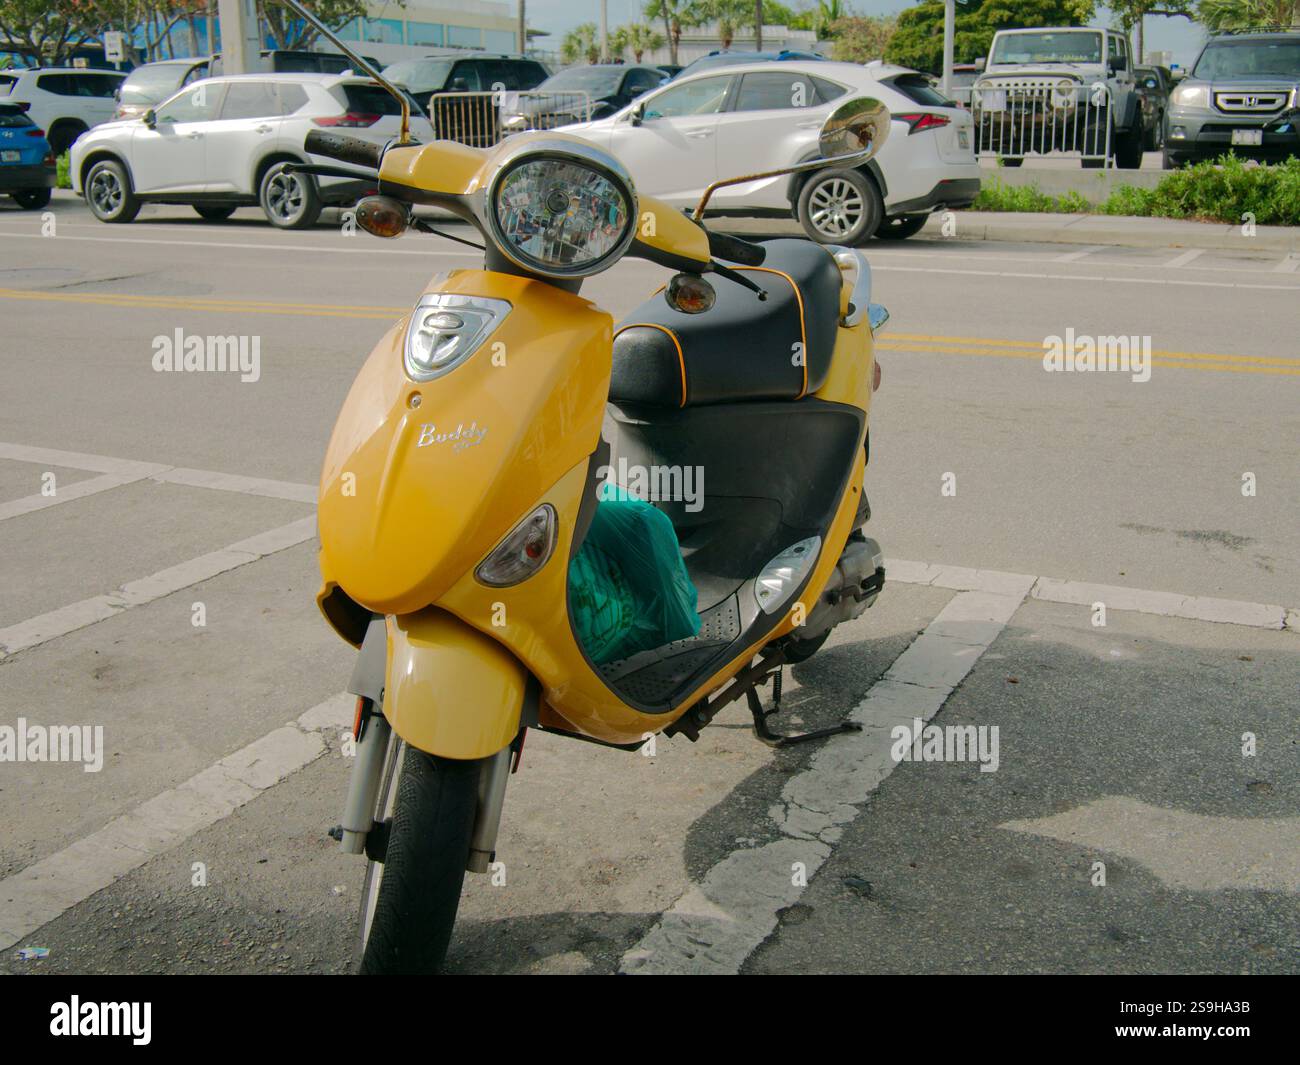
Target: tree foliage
x: 918, y: 40
x: 860, y: 39
x: 1221, y: 15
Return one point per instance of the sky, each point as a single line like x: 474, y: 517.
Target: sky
x: 1178, y: 35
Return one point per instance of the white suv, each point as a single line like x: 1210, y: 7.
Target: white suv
x: 223, y: 143
x: 754, y: 117
x: 64, y: 101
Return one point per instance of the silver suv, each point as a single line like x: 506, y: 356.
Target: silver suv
x: 1243, y: 96
x: 1060, y: 88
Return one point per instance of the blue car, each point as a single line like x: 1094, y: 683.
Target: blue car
x: 27, y: 168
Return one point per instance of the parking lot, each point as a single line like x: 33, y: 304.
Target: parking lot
x: 1141, y: 817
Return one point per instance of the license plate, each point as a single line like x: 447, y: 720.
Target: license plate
x: 1248, y: 136
x: 963, y: 138
x: 10, y: 157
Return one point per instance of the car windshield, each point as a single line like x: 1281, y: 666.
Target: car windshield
x: 1236, y: 59
x: 153, y: 82
x: 599, y: 81
x: 420, y: 75
x: 1047, y: 48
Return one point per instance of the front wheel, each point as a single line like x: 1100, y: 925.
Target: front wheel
x: 409, y: 903
x: 840, y: 207
x: 109, y: 192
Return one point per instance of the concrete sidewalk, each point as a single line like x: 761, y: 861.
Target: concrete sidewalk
x: 1121, y: 230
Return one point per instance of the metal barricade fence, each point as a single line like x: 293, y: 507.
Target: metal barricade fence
x: 482, y: 119
x: 1016, y: 118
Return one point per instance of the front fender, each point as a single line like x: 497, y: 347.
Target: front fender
x: 450, y: 690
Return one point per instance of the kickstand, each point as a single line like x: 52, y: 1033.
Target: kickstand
x: 777, y: 739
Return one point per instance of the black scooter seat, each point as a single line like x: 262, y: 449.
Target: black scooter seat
x: 741, y: 349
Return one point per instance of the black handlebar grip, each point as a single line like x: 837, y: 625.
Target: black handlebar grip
x: 735, y: 250
x: 343, y: 148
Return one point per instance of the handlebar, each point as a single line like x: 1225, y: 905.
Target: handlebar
x: 343, y: 148
x: 735, y: 250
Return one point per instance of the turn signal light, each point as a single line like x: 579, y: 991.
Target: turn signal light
x: 689, y: 293
x: 382, y: 216
x: 523, y: 552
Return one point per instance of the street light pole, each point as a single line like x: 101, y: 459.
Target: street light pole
x: 604, y: 31
x: 758, y: 25
x: 949, y: 32
x: 523, y: 31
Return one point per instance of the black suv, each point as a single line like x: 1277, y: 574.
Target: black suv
x: 1243, y: 96
x: 476, y: 72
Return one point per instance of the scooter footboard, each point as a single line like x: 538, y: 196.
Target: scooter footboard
x: 450, y: 690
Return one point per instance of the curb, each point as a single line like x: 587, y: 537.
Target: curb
x: 1109, y: 230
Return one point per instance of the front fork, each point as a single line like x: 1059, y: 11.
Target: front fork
x: 368, y: 771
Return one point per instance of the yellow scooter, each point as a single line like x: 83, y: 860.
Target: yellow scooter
x: 465, y: 473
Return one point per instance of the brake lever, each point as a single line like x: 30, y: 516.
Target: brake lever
x: 739, y: 278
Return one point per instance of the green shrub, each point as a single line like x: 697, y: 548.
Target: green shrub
x: 1221, y: 190
x: 62, y: 179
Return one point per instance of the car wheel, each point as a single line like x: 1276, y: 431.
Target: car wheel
x: 215, y: 212
x: 290, y: 201
x: 902, y: 227
x: 1128, y: 150
x: 32, y: 199
x: 60, y: 138
x: 109, y: 193
x: 840, y: 207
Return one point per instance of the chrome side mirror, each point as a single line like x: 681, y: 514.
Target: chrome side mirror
x: 856, y: 127
x: 851, y: 134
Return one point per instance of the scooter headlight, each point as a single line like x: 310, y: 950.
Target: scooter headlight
x: 562, y: 212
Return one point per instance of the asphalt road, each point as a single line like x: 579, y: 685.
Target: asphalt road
x: 1121, y: 744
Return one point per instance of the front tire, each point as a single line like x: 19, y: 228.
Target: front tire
x: 416, y: 890
x: 290, y: 201
x: 109, y: 193
x: 840, y: 207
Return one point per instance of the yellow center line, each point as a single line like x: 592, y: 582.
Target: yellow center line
x: 902, y: 342
x: 113, y: 299
x: 1287, y: 367
x: 922, y: 341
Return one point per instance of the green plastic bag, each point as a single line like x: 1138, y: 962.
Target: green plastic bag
x: 628, y: 587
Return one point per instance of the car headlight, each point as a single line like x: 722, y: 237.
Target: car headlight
x: 445, y: 329
x: 562, y: 211
x: 1192, y: 96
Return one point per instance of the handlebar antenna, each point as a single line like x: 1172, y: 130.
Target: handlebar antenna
x: 404, y: 137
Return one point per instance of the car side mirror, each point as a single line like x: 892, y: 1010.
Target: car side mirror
x: 1150, y: 83
x: 981, y: 63
x: 150, y: 118
x: 1116, y: 63
x: 637, y: 115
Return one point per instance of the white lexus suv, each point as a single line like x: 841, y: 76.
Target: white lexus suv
x: 753, y: 117
x: 222, y: 143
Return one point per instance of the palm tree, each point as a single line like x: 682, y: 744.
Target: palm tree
x: 639, y: 38
x: 730, y: 15
x: 826, y: 13
x: 1220, y: 15
x: 580, y: 43
x: 676, y: 14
